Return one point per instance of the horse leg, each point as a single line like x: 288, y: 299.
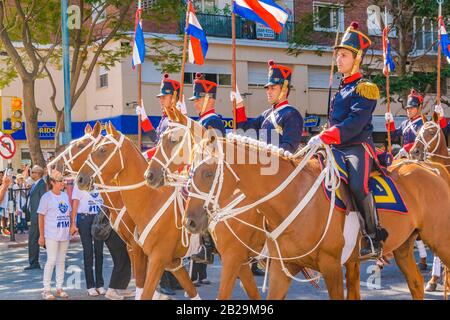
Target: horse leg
x: 230, y: 271
x: 404, y: 257
x: 185, y: 281
x: 352, y: 276
x: 248, y: 282
x: 331, y: 270
x: 139, y: 263
x: 279, y: 282
x: 155, y: 269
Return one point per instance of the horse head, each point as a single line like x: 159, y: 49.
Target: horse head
x: 174, y: 148
x: 429, y: 139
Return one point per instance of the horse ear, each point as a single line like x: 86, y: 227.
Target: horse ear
x: 108, y: 127
x: 97, y: 129
x: 113, y: 130
x: 424, y: 119
x: 180, y: 116
x: 435, y: 117
x: 212, y: 135
x: 170, y: 114
x: 88, y: 129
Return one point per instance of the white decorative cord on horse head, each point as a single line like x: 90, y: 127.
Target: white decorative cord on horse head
x: 426, y: 144
x: 329, y: 174
x: 175, y: 198
x: 68, y: 161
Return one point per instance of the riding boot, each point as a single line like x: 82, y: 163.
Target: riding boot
x: 205, y: 255
x: 372, y: 231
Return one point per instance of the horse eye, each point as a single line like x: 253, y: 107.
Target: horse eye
x: 208, y: 174
x: 102, y: 149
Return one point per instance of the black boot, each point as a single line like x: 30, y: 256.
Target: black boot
x: 256, y: 270
x: 373, y: 233
x: 205, y: 255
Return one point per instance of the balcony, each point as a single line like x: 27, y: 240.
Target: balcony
x: 220, y: 26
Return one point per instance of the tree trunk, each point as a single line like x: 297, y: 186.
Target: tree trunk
x: 31, y: 118
x: 59, y: 128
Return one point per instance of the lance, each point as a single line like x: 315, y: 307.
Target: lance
x: 139, y: 93
x: 387, y: 75
x: 185, y: 45
x: 330, y: 80
x: 440, y: 19
x: 233, y: 50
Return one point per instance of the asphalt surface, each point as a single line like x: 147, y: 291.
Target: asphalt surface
x: 15, y: 283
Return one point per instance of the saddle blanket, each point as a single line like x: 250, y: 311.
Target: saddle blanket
x: 387, y: 197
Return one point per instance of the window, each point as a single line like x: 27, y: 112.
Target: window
x: 257, y: 74
x: 205, y: 5
x: 327, y: 17
x: 103, y: 77
x: 376, y: 21
x: 224, y: 79
x: 318, y: 78
x: 220, y: 79
x: 425, y: 33
x: 146, y: 4
x: 98, y: 9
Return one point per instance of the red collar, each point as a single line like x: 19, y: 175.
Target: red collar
x: 352, y: 78
x: 281, y: 104
x: 208, y: 112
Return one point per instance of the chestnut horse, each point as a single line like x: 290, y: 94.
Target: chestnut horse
x: 72, y: 159
x: 227, y: 235
x: 314, y: 238
x: 237, y: 239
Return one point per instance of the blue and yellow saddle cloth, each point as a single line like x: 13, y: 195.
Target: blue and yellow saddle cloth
x: 386, y: 194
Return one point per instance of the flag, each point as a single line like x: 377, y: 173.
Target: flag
x: 445, y: 44
x: 146, y: 124
x: 198, y: 45
x: 389, y: 64
x: 139, y: 43
x: 266, y: 12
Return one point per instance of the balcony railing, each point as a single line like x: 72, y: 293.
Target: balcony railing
x: 220, y: 26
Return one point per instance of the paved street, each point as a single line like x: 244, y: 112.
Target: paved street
x: 26, y: 285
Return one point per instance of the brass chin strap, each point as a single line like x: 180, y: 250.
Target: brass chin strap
x: 283, y: 94
x: 357, y: 62
x: 205, y: 103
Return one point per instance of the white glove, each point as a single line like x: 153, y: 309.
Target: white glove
x: 389, y: 117
x: 439, y: 110
x: 315, y: 141
x: 236, y: 96
x: 402, y: 153
x: 181, y: 105
x: 138, y: 110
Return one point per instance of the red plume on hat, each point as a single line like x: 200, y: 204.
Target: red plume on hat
x: 414, y: 93
x: 354, y: 25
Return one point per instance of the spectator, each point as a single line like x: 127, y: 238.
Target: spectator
x: 38, y: 189
x: 54, y: 228
x: 5, y: 182
x: 86, y: 206
x: 199, y: 275
x: 20, y: 197
x: 4, y: 206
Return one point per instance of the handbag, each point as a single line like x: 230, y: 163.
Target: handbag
x: 101, y: 227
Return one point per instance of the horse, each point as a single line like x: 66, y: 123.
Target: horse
x: 71, y: 160
x: 315, y: 238
x: 228, y: 235
x: 174, y: 149
x: 116, y: 160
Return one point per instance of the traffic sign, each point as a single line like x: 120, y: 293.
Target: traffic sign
x: 7, y: 146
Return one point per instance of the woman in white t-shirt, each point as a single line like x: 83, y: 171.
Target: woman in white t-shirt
x: 86, y: 205
x: 54, y: 227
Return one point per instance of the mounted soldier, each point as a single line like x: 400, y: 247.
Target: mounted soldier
x: 411, y: 126
x: 350, y: 133
x: 282, y: 117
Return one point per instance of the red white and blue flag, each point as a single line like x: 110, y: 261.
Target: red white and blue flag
x: 389, y: 64
x: 139, y: 42
x: 198, y: 44
x: 445, y: 43
x: 266, y: 12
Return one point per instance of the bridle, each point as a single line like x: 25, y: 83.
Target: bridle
x: 427, y: 144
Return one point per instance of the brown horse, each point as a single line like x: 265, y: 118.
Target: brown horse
x: 314, y: 238
x: 116, y: 161
x: 72, y: 159
x: 227, y: 235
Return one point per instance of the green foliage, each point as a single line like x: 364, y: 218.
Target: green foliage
x: 7, y: 72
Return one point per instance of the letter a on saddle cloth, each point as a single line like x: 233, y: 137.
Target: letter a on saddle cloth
x: 387, y: 197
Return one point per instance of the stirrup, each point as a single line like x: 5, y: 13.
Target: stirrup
x: 372, y: 254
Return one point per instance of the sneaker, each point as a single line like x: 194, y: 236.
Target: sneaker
x: 92, y: 292
x: 205, y: 281
x: 112, y: 294
x: 37, y: 266
x: 126, y: 293
x: 47, y: 295
x: 101, y: 291
x: 60, y: 293
x: 6, y: 232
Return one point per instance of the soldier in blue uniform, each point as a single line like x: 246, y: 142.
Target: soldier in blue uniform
x: 410, y: 127
x: 281, y: 119
x: 350, y: 132
x: 166, y: 96
x: 204, y: 99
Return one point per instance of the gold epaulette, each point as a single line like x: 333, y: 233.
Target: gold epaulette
x: 368, y: 90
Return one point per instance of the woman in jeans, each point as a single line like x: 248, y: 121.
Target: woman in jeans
x: 86, y: 206
x: 54, y: 229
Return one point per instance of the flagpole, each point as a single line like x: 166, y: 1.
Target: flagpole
x: 330, y: 80
x: 388, y: 86
x: 139, y: 91
x: 233, y: 76
x: 183, y: 62
x: 438, y: 97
